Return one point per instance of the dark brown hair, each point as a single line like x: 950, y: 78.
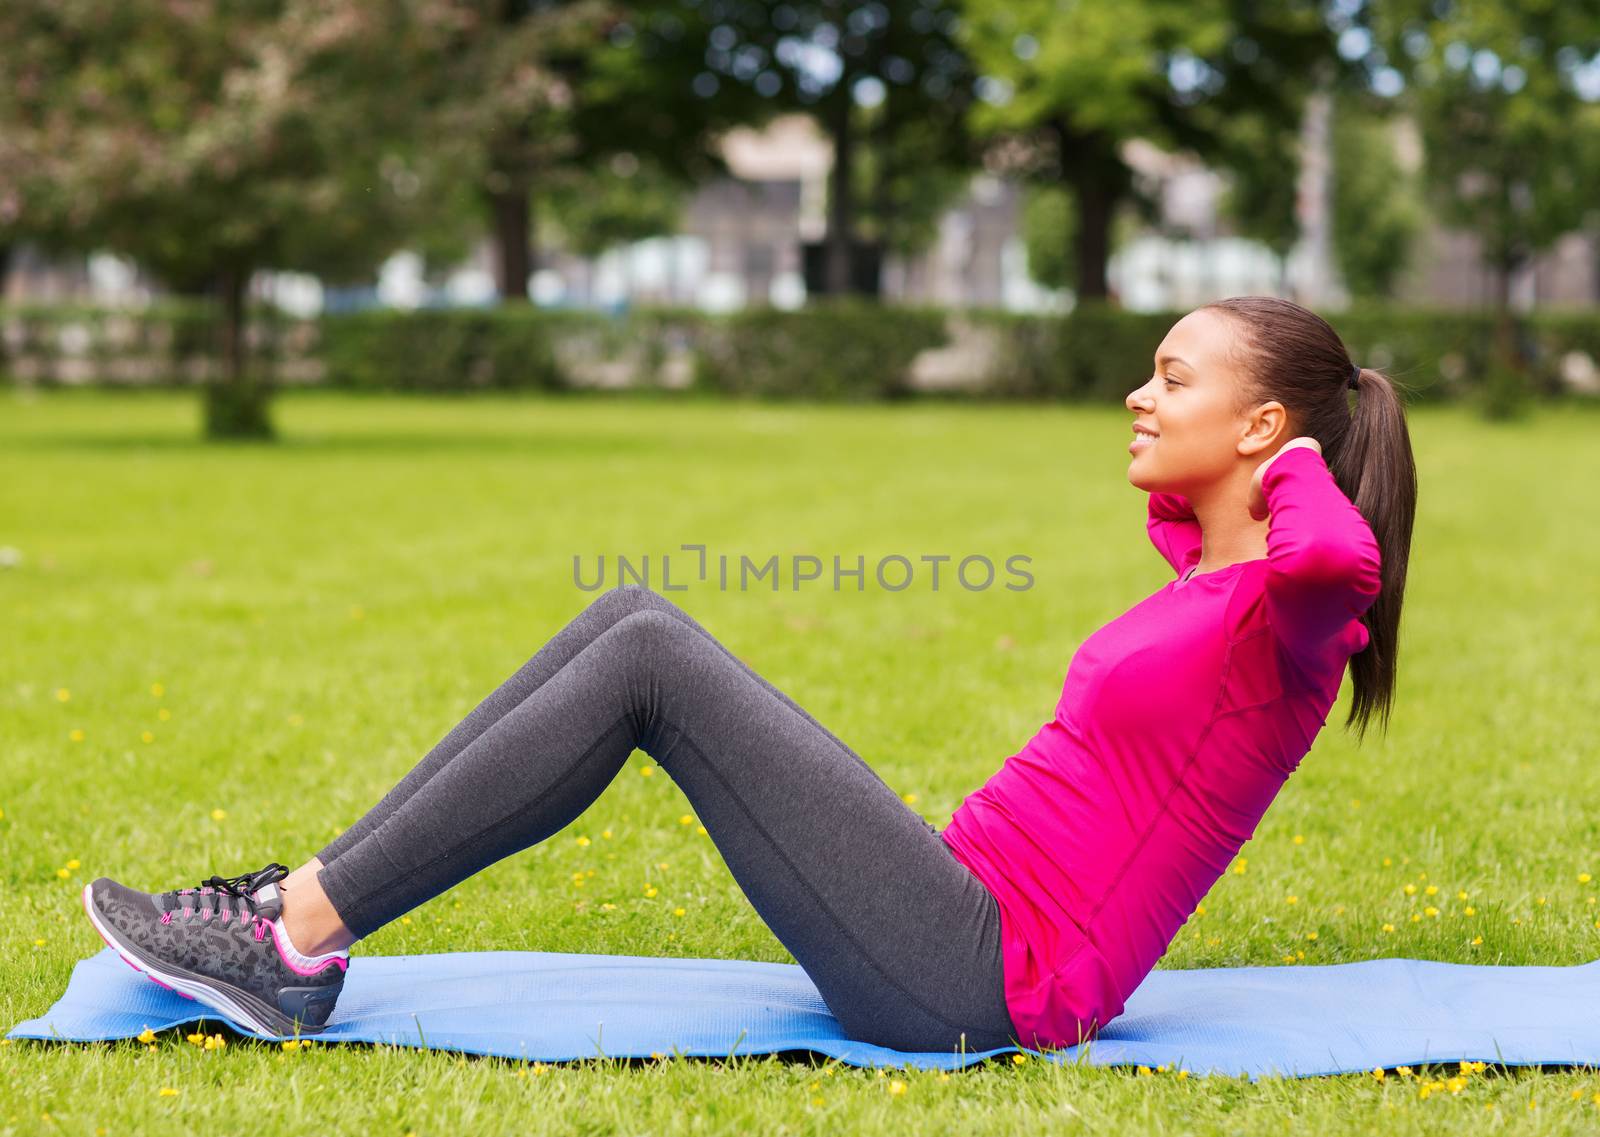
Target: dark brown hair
x: 1290, y: 354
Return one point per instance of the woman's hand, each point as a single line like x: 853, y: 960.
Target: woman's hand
x: 1258, y: 498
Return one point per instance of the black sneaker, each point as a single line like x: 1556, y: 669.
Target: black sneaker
x: 218, y: 945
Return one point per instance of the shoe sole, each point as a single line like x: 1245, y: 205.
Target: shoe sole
x: 230, y: 1001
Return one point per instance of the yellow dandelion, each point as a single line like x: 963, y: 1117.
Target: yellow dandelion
x: 1584, y: 878
x: 1416, y: 917
x: 1403, y: 1071
x: 164, y: 715
x: 1182, y: 1074
x: 1477, y: 940
x: 1422, y: 876
x: 1291, y: 900
x: 216, y: 1042
x: 157, y: 690
x: 1456, y: 1085
x: 147, y: 1035
x: 1311, y: 935
x: 76, y: 734
x: 679, y: 911
x: 909, y: 799
x: 1424, y: 1092
x: 168, y: 1092
x: 1411, y: 889
x: 1377, y: 1072
x: 62, y: 694
x: 1018, y: 1059
x: 146, y: 736
x: 583, y: 842
x: 608, y: 906
x: 195, y: 1039
x: 1388, y: 862
x: 1462, y: 895
x: 63, y: 873
x: 218, y: 814
x: 606, y: 833
x: 405, y: 919
x: 1199, y: 909
x: 1479, y: 1067
x: 686, y: 819
x: 647, y: 770
x: 1469, y: 910
x: 74, y: 863
x: 1430, y: 910
x: 1288, y: 959
x: 1299, y: 839
x: 662, y: 865
x: 897, y: 1087
x: 292, y: 1044
x: 1238, y: 866
x: 1432, y: 890
x: 1388, y: 927
x: 649, y: 891
x: 700, y: 829
x: 944, y: 1076
x: 38, y: 943
x: 1541, y: 901
x: 1146, y: 1072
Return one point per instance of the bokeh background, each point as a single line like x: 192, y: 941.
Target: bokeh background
x: 332, y: 334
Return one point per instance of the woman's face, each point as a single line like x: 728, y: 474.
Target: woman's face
x: 1189, y: 403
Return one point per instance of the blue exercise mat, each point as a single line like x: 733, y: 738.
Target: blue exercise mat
x: 1257, y: 1021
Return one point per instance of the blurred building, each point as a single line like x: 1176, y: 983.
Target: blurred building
x: 742, y: 237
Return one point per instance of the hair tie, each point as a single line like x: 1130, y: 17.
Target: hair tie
x: 1355, y: 377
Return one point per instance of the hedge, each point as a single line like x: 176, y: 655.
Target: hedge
x: 847, y: 350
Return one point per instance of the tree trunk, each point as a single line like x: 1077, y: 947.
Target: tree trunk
x: 513, y: 241
x: 236, y: 405
x: 836, y: 276
x: 1091, y: 169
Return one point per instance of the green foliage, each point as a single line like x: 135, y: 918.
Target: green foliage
x: 1049, y: 234
x: 1073, y: 82
x: 1513, y: 146
x: 1377, y: 207
x: 845, y: 349
x: 838, y: 348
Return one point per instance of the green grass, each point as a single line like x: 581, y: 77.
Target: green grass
x: 320, y: 612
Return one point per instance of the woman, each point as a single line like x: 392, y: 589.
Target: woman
x: 1059, y: 883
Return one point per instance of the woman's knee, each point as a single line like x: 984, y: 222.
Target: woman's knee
x: 625, y: 599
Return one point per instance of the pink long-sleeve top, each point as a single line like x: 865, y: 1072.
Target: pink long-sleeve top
x: 1178, y: 723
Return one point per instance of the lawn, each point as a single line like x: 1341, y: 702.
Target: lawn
x: 217, y: 656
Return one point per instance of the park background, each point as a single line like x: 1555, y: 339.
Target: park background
x: 331, y: 333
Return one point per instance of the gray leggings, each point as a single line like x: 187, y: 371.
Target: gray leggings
x: 901, y: 940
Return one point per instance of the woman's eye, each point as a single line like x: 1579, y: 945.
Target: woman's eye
x: 1174, y: 382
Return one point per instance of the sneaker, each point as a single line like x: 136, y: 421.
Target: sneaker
x: 222, y: 946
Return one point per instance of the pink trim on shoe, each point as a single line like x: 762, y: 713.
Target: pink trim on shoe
x: 339, y: 961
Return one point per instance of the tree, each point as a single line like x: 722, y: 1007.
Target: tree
x: 207, y: 143
x: 1377, y: 209
x: 885, y: 80
x: 527, y: 95
x: 1066, y: 85
x: 1511, y: 142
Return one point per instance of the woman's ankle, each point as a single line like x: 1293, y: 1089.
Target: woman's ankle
x: 308, y: 915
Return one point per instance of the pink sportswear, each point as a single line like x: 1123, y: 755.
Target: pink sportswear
x: 1178, y: 723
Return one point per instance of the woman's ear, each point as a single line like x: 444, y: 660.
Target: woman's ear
x: 1265, y: 428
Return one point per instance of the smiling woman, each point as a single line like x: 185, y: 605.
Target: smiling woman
x: 1058, y: 883
x: 1180, y: 720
